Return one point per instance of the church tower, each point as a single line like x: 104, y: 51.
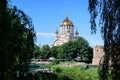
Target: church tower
x: 66, y: 32
x: 56, y: 35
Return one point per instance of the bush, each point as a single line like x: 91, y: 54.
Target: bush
x: 57, y: 69
x: 76, y: 73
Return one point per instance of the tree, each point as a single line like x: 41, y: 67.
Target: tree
x: 68, y: 50
x: 81, y: 46
x: 45, y: 51
x: 84, y: 49
x: 60, y: 52
x: 54, y: 51
x: 16, y: 43
x: 37, y: 52
x: 109, y: 11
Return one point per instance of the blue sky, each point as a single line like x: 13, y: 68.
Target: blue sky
x: 47, y: 15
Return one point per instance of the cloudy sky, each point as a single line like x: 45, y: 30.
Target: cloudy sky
x: 47, y: 15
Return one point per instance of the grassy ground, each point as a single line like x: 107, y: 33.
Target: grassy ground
x: 75, y: 73
x: 67, y: 71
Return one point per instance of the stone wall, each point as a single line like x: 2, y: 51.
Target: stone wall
x: 98, y: 54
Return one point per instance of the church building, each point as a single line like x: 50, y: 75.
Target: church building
x: 66, y: 33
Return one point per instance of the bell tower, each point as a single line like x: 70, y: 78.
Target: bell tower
x: 77, y: 34
x: 56, y: 34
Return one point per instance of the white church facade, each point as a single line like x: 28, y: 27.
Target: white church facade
x: 66, y: 33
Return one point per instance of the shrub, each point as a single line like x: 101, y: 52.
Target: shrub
x: 75, y: 73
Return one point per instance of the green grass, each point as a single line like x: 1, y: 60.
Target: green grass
x: 75, y: 73
x: 93, y: 73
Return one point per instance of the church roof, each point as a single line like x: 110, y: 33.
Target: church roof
x: 67, y: 22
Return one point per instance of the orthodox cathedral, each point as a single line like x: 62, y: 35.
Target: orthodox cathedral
x: 66, y: 33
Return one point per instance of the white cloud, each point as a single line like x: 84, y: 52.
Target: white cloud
x: 45, y: 34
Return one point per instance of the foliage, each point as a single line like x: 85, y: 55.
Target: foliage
x: 92, y: 72
x: 16, y: 43
x: 109, y: 11
x: 57, y: 69
x: 37, y: 52
x: 53, y: 51
x: 56, y: 51
x: 45, y: 51
x: 60, y: 52
x: 68, y: 50
x: 75, y: 73
x: 81, y: 46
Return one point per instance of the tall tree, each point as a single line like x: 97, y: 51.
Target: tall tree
x: 109, y: 11
x: 60, y: 52
x: 45, y: 51
x: 54, y: 51
x: 83, y: 48
x: 4, y: 21
x: 16, y: 43
x: 72, y: 48
x: 37, y: 52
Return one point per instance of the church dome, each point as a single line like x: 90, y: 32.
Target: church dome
x: 67, y: 22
